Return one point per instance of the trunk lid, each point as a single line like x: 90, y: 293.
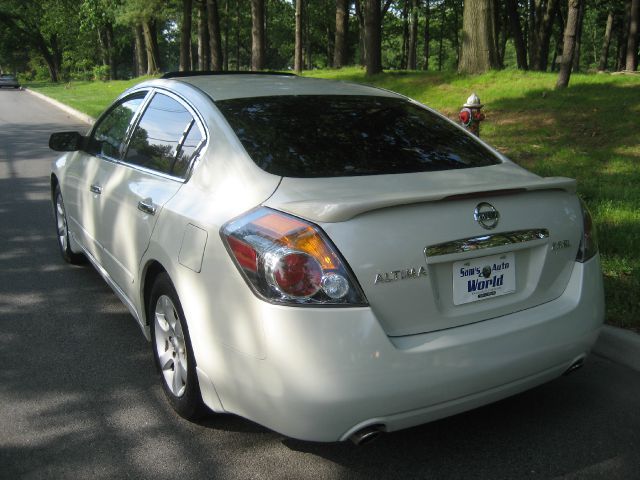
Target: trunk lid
x: 424, y: 262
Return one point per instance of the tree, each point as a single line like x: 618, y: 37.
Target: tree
x: 412, y: 54
x: 478, y: 53
x: 215, y: 37
x: 203, y: 36
x: 516, y: 34
x: 139, y: 51
x: 297, y: 62
x: 341, y: 35
x: 46, y: 26
x: 144, y: 13
x: 257, y: 35
x: 372, y: 36
x: 632, y: 38
x: 541, y: 18
x: 604, y: 56
x: 185, y: 36
x: 427, y: 34
x: 568, y: 50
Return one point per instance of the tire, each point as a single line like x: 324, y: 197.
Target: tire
x: 172, y: 350
x: 62, y: 230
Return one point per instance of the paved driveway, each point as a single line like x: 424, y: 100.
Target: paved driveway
x: 79, y: 397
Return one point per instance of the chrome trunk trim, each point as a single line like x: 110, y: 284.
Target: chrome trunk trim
x: 486, y: 241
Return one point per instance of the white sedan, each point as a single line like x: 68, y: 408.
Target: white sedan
x: 327, y: 259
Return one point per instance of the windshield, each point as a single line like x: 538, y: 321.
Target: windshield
x: 335, y: 136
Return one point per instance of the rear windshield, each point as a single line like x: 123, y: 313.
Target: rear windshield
x: 336, y: 136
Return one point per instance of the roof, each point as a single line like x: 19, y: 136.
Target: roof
x: 225, y: 87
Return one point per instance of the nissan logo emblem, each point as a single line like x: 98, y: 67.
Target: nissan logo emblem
x: 486, y: 215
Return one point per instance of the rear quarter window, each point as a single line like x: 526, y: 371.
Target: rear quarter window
x: 335, y: 136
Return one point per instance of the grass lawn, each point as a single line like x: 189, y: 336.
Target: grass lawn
x: 588, y: 131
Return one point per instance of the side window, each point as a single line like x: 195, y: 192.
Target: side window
x: 112, y: 129
x: 157, y: 140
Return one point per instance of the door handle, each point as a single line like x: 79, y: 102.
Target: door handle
x: 147, y: 206
x: 95, y: 188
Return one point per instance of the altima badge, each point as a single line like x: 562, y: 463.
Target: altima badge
x: 486, y: 215
x: 400, y: 275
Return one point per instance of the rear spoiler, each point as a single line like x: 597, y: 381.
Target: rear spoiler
x: 341, y: 207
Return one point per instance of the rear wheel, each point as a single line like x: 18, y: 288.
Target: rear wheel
x: 62, y: 229
x: 172, y: 350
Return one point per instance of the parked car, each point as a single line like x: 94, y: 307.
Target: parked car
x: 7, y: 80
x: 328, y: 259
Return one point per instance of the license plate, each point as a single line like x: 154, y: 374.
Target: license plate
x: 483, y: 278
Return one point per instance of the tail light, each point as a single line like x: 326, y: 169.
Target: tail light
x: 287, y: 260
x: 589, y: 243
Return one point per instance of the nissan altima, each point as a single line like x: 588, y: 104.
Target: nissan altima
x: 328, y: 259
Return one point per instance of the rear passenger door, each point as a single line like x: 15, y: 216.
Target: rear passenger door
x: 155, y: 165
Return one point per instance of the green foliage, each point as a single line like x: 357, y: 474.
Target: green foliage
x: 101, y: 72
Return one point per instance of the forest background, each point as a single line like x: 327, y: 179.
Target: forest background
x: 119, y: 39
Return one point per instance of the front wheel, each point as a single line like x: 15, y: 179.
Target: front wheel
x: 62, y: 229
x: 172, y: 350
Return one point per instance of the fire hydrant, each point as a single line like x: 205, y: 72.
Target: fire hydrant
x: 471, y: 115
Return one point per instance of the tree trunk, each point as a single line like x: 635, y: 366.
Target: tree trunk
x: 203, y: 37
x: 412, y: 56
x: 541, y: 60
x: 111, y: 58
x: 604, y: 56
x: 226, y: 35
x: 632, y: 37
x: 532, y: 31
x: 478, y: 53
x: 623, y: 35
x: 502, y: 21
x: 372, y: 36
x: 139, y: 50
x: 215, y: 38
x: 237, y: 52
x: 443, y: 13
x: 456, y: 29
x: 152, y: 58
x: 307, y: 39
x: 257, y: 35
x: 427, y: 35
x: 569, y: 43
x: 50, y: 58
x: 362, y: 47
x: 516, y: 34
x: 342, y: 30
x: 185, y: 37
x: 297, y: 55
x: 576, y: 53
x: 405, y: 34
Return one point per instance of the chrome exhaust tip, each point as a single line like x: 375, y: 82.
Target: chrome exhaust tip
x: 367, y: 434
x: 574, y: 366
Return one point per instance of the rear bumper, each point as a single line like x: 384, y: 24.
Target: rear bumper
x: 330, y: 372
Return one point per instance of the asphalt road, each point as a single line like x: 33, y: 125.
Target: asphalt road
x: 80, y: 397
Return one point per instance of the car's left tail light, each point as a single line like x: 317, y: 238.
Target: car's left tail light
x: 287, y: 260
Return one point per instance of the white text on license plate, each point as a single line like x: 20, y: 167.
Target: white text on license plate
x: 483, y: 278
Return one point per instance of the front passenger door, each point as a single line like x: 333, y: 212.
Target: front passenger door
x: 88, y: 172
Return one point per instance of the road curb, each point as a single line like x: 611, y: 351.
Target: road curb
x: 65, y: 108
x: 620, y: 345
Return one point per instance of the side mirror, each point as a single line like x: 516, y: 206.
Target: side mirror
x: 66, y: 141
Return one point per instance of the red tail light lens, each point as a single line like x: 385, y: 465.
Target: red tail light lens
x: 287, y: 260
x: 589, y: 243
